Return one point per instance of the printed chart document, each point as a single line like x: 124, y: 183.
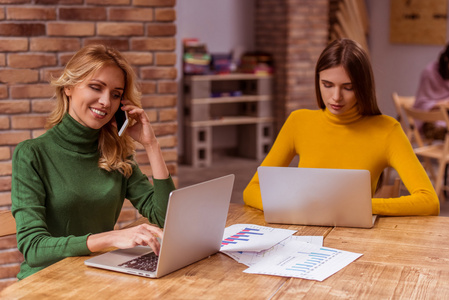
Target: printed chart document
x: 249, y: 237
x: 251, y: 258
x: 303, y: 260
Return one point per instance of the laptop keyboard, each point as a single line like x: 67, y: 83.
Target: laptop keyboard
x: 147, y: 262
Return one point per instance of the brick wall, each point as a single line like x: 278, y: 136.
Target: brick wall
x: 37, y: 37
x: 294, y: 32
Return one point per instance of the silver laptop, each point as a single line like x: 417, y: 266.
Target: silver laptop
x: 323, y: 197
x: 194, y: 228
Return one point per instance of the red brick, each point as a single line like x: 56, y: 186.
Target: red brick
x: 48, y: 2
x: 119, y: 29
x: 165, y: 59
x: 167, y: 87
x: 30, y: 13
x: 5, y: 199
x: 70, y: 29
x: 3, y: 92
x: 28, y: 121
x: 10, y: 256
x: 154, y: 2
x: 170, y: 114
x: 9, y: 271
x: 165, y: 15
x: 159, y: 101
x: 2, y: 59
x: 153, y: 44
x: 8, y: 242
x: 83, y: 14
x: 47, y: 74
x: 119, y: 44
x: 108, y: 2
x: 165, y: 128
x: 5, y: 168
x: 170, y: 155
x: 147, y: 87
x: 13, y: 44
x: 131, y: 14
x: 55, y: 44
x: 5, y: 183
x: 29, y: 61
x: 2, y: 14
x: 168, y: 141
x: 24, y: 29
x: 32, y: 91
x: 18, y: 76
x: 139, y: 58
x: 4, y: 122
x: 161, y: 29
x: 158, y: 73
x: 152, y: 115
x: 14, y: 106
x: 5, y: 153
x: 43, y: 106
x: 14, y: 137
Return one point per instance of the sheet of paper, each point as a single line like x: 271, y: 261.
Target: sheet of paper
x: 250, y: 258
x: 250, y: 237
x: 303, y: 260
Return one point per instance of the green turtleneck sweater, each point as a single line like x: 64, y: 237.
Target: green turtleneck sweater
x: 60, y: 196
x: 352, y: 141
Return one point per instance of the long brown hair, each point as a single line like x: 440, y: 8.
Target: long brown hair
x: 351, y: 56
x: 115, y: 152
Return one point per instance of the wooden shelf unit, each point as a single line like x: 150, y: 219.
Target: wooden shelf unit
x: 244, y: 100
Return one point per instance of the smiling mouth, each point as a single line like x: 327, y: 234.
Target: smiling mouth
x: 98, y: 112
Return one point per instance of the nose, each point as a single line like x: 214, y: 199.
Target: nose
x: 337, y: 96
x: 105, y: 100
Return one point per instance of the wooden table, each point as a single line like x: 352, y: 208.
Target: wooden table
x: 403, y: 257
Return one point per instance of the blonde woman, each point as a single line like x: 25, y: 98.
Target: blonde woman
x: 68, y: 185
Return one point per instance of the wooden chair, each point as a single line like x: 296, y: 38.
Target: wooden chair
x: 7, y: 223
x: 399, y: 103
x: 389, y: 190
x: 437, y: 151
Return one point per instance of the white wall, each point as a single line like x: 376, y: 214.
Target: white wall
x: 224, y: 26
x: 396, y: 67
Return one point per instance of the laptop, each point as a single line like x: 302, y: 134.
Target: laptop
x: 312, y: 196
x: 194, y: 228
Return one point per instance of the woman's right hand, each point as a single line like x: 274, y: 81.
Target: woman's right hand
x: 143, y: 235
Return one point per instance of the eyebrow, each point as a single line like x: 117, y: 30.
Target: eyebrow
x: 327, y: 81
x: 104, y: 84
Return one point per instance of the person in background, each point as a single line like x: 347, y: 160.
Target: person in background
x: 433, y: 90
x: 349, y: 132
x: 69, y: 184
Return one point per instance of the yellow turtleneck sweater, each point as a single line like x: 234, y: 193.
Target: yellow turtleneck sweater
x: 351, y: 141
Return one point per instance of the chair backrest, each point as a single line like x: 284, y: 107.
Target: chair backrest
x: 7, y: 223
x: 389, y: 190
x: 399, y: 103
x: 432, y: 116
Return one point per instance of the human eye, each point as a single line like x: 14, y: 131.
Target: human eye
x: 117, y: 95
x: 348, y: 87
x: 95, y: 87
x: 326, y: 84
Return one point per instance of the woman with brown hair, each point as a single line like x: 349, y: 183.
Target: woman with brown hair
x: 349, y: 132
x: 69, y: 184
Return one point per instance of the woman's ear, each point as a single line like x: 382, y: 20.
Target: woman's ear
x: 68, y: 91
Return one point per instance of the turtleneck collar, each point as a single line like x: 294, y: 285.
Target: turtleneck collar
x: 76, y: 137
x: 348, y: 117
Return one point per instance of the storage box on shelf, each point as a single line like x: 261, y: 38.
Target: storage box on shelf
x: 243, y: 100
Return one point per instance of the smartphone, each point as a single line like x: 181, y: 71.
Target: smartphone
x: 121, y: 117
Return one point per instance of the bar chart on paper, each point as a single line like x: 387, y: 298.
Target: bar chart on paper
x: 304, y: 260
x: 250, y: 237
x: 242, y: 236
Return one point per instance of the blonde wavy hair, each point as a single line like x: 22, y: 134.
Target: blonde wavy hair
x: 116, y: 153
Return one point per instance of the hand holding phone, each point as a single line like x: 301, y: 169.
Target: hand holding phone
x: 121, y: 117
